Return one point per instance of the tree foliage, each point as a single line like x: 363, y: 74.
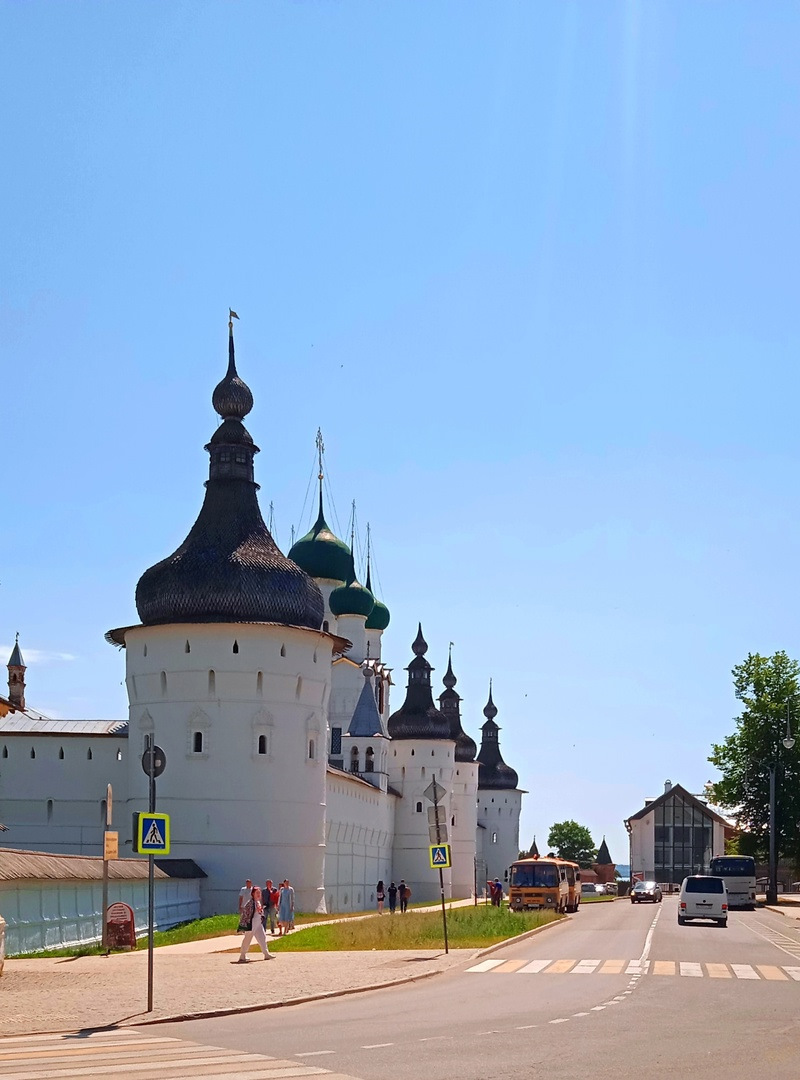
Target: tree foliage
x: 766, y: 686
x: 573, y: 841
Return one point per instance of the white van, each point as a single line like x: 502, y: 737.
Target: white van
x: 703, y: 898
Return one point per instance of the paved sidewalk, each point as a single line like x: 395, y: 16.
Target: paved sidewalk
x: 70, y: 993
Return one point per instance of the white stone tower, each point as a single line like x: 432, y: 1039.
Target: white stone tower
x: 230, y: 672
x: 499, y: 803
x: 422, y: 748
x: 464, y: 799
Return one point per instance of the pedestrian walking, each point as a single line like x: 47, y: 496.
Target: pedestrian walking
x: 269, y: 901
x: 250, y: 926
x: 244, y: 897
x: 380, y: 896
x: 497, y: 893
x: 392, y: 897
x: 285, y: 908
x: 405, y: 896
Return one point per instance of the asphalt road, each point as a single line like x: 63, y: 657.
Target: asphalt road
x: 618, y: 986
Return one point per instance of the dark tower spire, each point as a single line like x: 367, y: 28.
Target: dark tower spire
x: 16, y: 677
x: 493, y: 771
x: 418, y: 717
x: 229, y: 568
x: 450, y: 707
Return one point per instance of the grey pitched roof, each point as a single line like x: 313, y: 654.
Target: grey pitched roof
x: 366, y: 720
x: 46, y: 865
x: 677, y: 789
x: 21, y: 723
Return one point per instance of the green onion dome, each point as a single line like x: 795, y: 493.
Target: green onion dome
x: 320, y: 553
x: 352, y: 598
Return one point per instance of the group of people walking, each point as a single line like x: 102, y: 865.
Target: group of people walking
x: 260, y: 907
x: 399, y: 892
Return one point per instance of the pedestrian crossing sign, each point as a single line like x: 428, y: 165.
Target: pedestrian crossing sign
x: 151, y: 834
x: 440, y: 856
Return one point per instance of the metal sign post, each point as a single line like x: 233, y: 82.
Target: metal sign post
x: 153, y: 762
x: 434, y: 792
x: 105, y: 867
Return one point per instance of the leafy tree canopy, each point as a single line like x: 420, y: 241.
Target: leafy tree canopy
x: 573, y: 841
x: 766, y: 686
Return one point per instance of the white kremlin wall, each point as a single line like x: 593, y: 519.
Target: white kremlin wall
x: 498, y: 814
x: 359, y: 835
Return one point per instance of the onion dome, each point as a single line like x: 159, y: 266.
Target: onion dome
x: 450, y: 707
x: 493, y: 772
x: 379, y: 617
x: 418, y: 717
x: 229, y: 568
x: 320, y: 553
x: 352, y: 598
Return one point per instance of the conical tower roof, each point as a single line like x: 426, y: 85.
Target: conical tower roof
x: 418, y: 717
x: 493, y: 772
x: 229, y: 568
x: 603, y: 855
x: 15, y: 659
x: 366, y: 720
x: 450, y: 707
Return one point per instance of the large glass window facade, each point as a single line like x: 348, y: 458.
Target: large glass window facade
x: 683, y: 839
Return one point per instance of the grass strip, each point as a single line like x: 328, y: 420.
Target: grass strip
x: 467, y: 928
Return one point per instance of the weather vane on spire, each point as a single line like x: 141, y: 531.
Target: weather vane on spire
x: 231, y: 316
x: 320, y: 452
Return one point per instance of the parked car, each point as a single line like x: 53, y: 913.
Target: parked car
x: 646, y: 890
x: 588, y: 888
x: 703, y: 898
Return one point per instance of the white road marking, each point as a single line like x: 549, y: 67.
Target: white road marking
x: 562, y: 1020
x: 693, y: 971
x: 377, y: 1046
x: 526, y: 1027
x: 637, y: 967
x: 580, y: 1014
x: 789, y: 945
x: 486, y: 965
x: 597, y: 1008
x: 585, y: 967
x: 649, y: 939
x: 534, y: 967
x: 793, y: 972
x: 744, y: 971
x: 315, y: 1053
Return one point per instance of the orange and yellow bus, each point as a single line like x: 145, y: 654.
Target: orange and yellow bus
x: 549, y: 883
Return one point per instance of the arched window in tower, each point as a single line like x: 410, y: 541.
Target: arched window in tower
x: 262, y: 745
x: 369, y: 760
x: 61, y: 753
x: 187, y: 647
x: 212, y: 684
x: 418, y: 807
x: 163, y: 684
x: 119, y: 755
x: 312, y: 749
x: 354, y: 759
x: 412, y: 753
x: 89, y: 754
x: 236, y: 646
x: 325, y: 625
x: 49, y: 809
x: 197, y: 742
x: 494, y: 837
x: 260, y: 684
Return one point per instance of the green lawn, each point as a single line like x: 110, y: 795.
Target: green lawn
x: 467, y: 927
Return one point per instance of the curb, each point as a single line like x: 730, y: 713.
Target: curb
x: 522, y: 937
x: 211, y: 1013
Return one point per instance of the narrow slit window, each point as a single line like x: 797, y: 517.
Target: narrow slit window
x: 262, y: 744
x: 49, y: 809
x: 283, y: 650
x: 5, y: 751
x: 61, y: 753
x: 236, y: 646
x: 33, y: 752
x: 163, y: 684
x: 312, y: 749
x: 197, y: 742
x: 212, y: 683
x: 89, y: 754
x: 260, y: 684
x: 187, y: 647
x: 419, y: 807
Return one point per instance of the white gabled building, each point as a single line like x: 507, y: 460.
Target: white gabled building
x: 261, y: 677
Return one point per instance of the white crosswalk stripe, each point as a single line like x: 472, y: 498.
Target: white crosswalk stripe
x: 688, y: 969
x: 127, y: 1055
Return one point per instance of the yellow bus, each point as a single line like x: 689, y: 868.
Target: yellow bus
x: 549, y: 883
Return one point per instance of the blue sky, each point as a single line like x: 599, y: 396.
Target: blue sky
x: 531, y: 267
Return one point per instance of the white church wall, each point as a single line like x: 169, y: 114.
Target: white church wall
x: 56, y: 803
x: 359, y: 839
x: 248, y: 798
x: 412, y: 766
x: 463, y: 827
x: 498, y: 813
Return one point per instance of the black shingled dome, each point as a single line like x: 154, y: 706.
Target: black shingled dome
x: 418, y: 717
x: 493, y: 772
x: 229, y: 569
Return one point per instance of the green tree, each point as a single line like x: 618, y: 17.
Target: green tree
x: 767, y: 686
x: 573, y: 841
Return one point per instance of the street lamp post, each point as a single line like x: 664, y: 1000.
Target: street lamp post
x: 772, y: 886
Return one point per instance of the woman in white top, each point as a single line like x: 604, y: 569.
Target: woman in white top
x: 250, y: 922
